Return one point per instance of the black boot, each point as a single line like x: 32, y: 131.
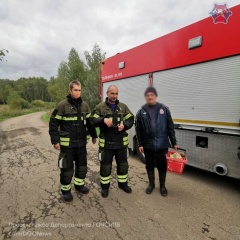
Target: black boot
x: 82, y: 189
x: 162, y: 179
x: 67, y: 196
x: 125, y: 187
x: 104, y: 193
x: 163, y: 189
x: 151, y: 185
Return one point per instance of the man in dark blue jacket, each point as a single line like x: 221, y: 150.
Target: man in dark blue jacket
x: 154, y: 128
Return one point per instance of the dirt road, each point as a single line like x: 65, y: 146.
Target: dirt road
x: 199, y: 206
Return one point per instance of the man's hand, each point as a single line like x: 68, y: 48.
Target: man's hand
x: 120, y: 127
x: 141, y: 150
x: 108, y: 122
x: 94, y: 140
x: 175, y: 147
x: 57, y: 146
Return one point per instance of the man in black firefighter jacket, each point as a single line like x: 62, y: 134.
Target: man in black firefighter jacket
x: 69, y: 130
x: 114, y: 119
x: 154, y: 128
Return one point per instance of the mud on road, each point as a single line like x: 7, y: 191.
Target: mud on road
x: 200, y: 205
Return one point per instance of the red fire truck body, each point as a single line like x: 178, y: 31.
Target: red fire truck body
x: 196, y: 71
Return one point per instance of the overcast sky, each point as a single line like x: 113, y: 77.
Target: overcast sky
x: 40, y: 33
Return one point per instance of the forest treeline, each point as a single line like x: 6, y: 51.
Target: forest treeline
x: 24, y: 92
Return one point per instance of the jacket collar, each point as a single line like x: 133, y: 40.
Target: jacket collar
x: 158, y: 106
x: 74, y: 102
x: 107, y: 102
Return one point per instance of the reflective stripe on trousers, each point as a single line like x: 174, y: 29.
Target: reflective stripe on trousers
x: 105, y: 180
x: 66, y: 187
x: 78, y: 181
x: 123, y: 178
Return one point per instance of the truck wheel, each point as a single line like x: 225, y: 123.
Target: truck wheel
x: 140, y: 155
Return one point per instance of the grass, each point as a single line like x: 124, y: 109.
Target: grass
x: 6, y: 112
x: 46, y: 117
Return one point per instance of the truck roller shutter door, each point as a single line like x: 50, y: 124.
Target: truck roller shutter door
x: 207, y: 92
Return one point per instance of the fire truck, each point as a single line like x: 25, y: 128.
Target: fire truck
x: 196, y: 71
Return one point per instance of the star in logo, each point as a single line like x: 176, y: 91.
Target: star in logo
x: 220, y: 13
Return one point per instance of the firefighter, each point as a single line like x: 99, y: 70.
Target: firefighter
x: 69, y: 130
x: 154, y: 128
x: 114, y: 119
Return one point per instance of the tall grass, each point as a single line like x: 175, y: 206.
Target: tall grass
x: 46, y: 117
x: 6, y: 112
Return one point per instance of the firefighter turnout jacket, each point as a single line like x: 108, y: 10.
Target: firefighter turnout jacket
x: 70, y: 125
x: 111, y: 138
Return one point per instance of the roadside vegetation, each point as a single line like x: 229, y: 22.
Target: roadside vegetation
x: 7, y: 112
x: 46, y: 117
x: 27, y: 95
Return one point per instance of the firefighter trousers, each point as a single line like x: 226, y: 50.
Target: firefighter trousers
x: 106, y: 158
x: 66, y: 160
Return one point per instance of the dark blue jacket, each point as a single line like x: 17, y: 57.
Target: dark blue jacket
x: 155, y: 137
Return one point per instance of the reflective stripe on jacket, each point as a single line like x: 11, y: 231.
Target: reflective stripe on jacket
x: 70, y: 125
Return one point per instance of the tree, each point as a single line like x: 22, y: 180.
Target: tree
x: 90, y: 91
x: 5, y: 87
x: 58, y: 87
x: 95, y: 58
x: 75, y: 69
x: 14, y: 100
x: 34, y: 88
x: 50, y: 88
x: 2, y: 54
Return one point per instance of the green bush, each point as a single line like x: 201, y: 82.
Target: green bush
x: 14, y: 104
x: 24, y: 104
x: 38, y: 103
x: 14, y: 100
x: 50, y: 105
x: 18, y: 104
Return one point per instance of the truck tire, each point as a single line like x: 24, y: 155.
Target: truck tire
x: 140, y: 155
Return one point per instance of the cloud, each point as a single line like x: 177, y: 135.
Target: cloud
x: 40, y: 34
